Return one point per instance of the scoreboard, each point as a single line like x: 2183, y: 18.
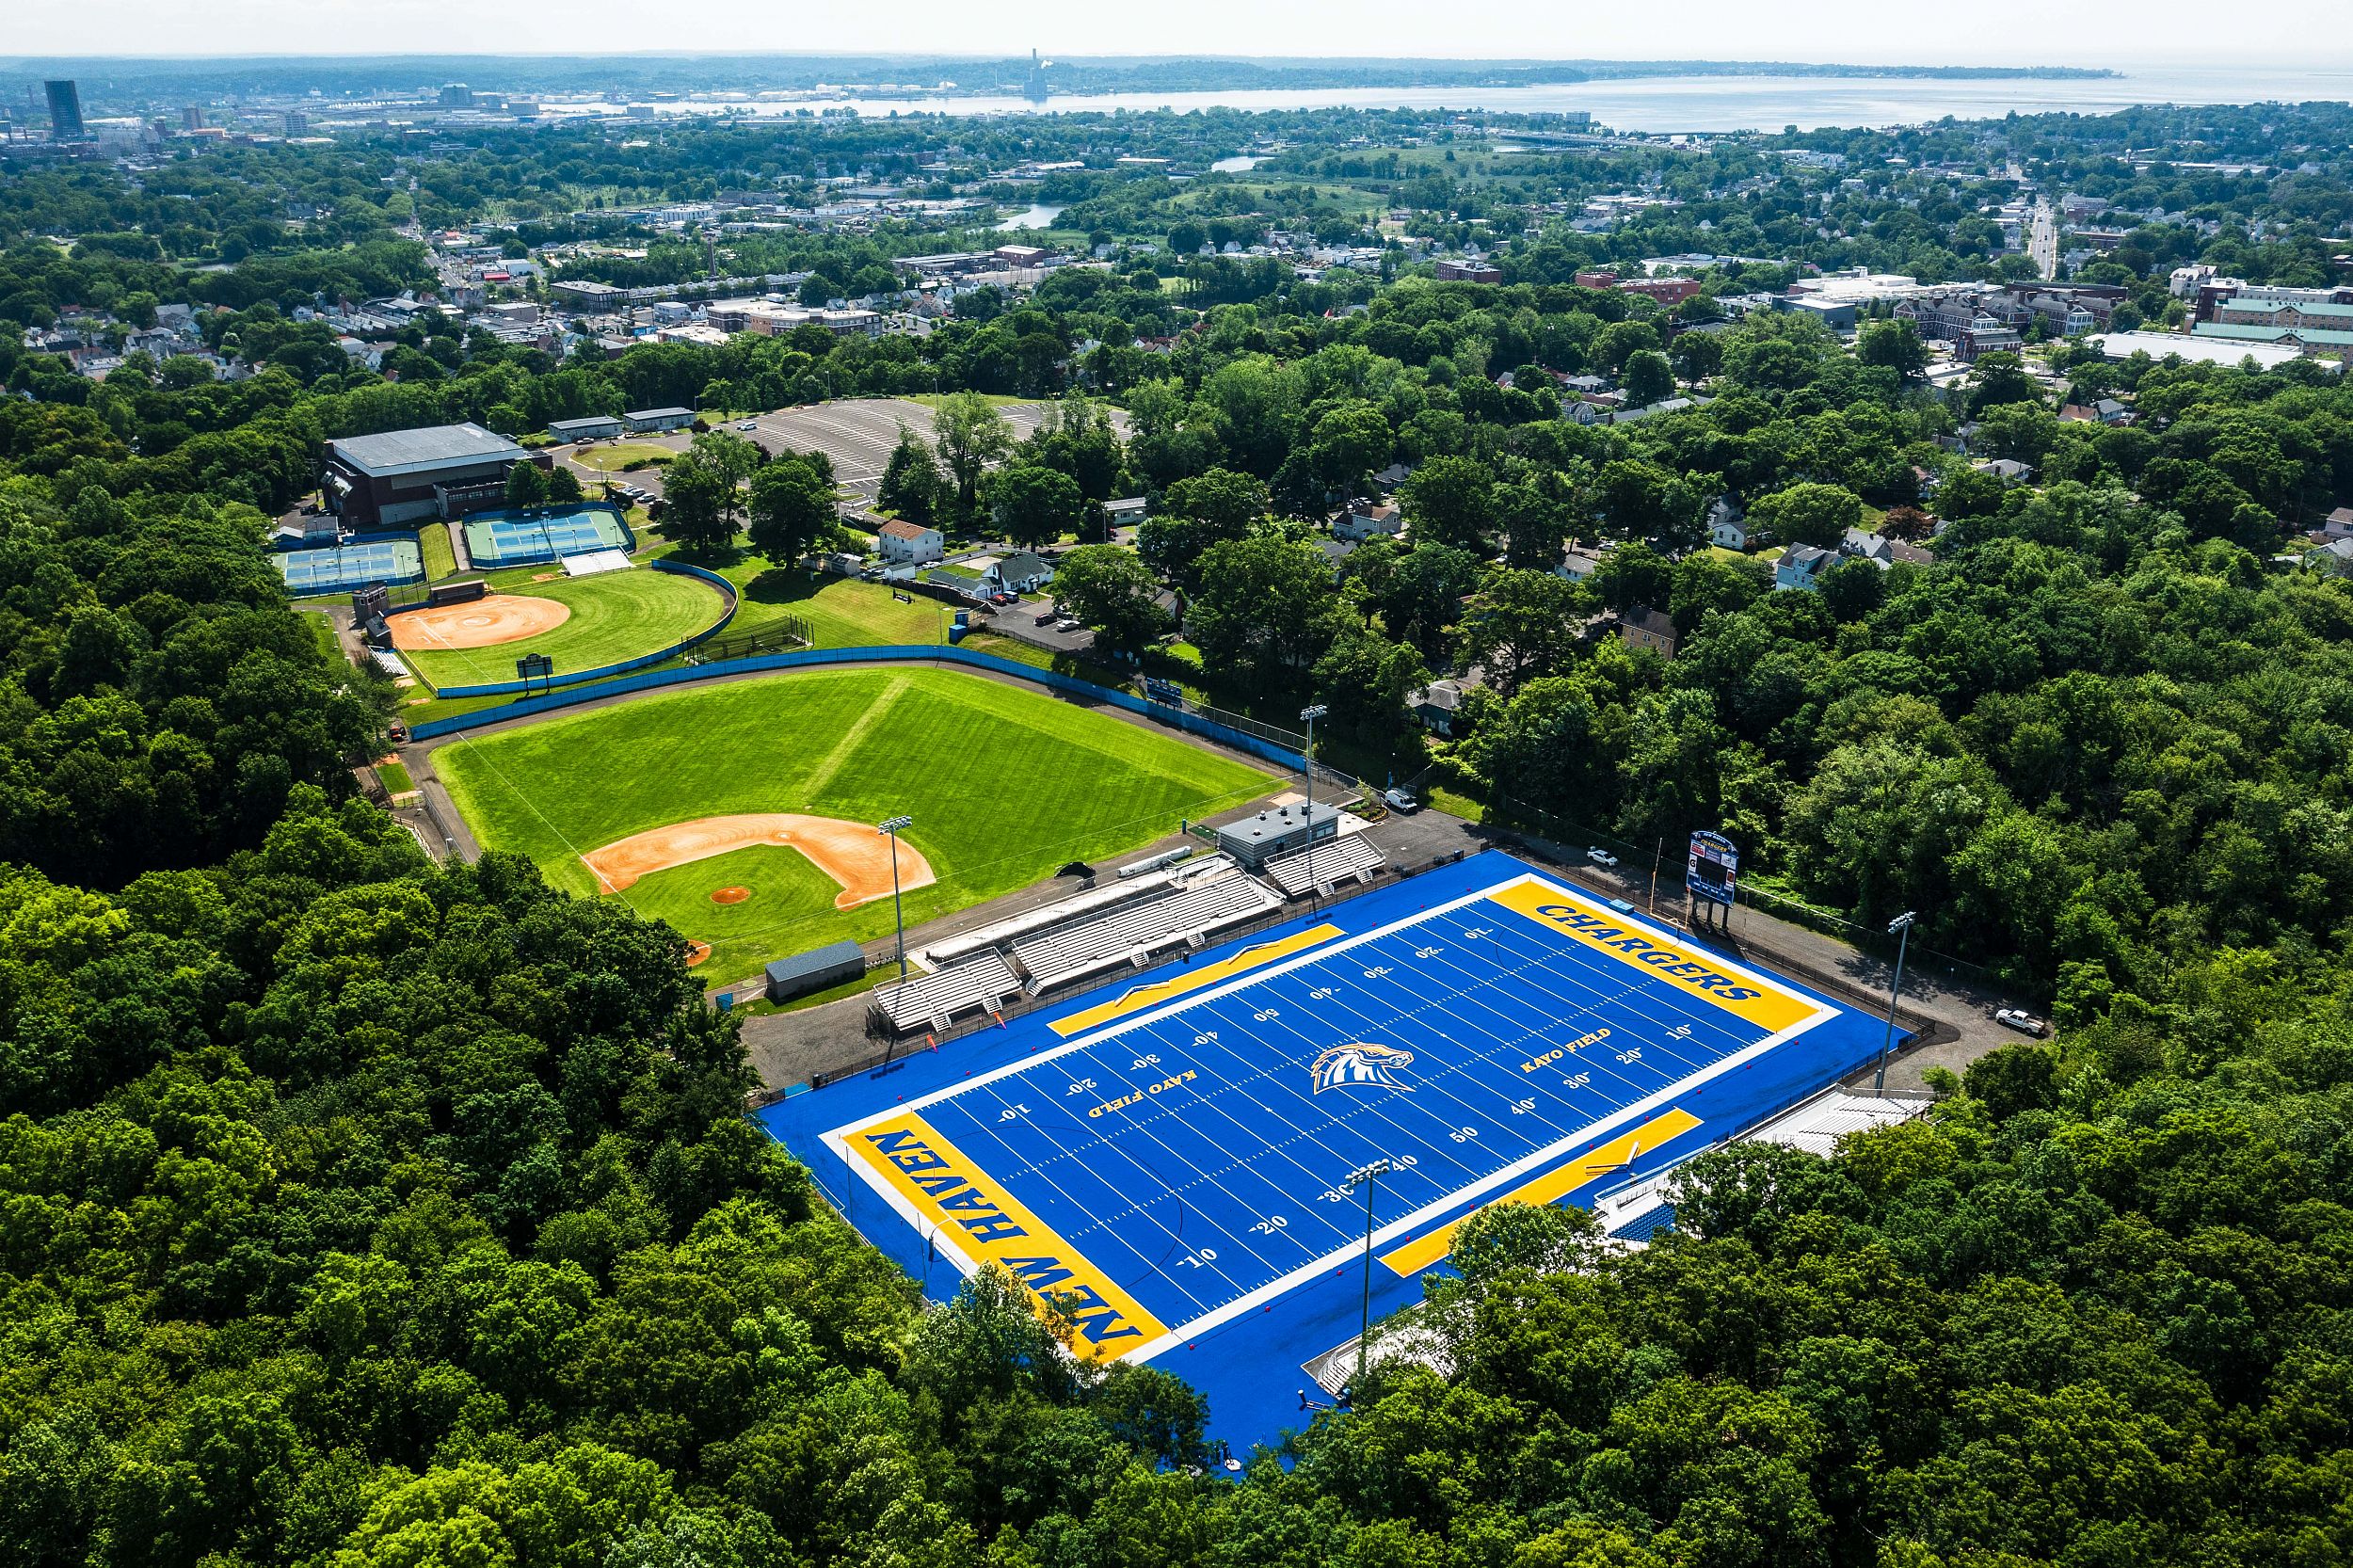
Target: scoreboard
x: 1713, y: 871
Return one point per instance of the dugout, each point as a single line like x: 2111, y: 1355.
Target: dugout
x: 835, y: 964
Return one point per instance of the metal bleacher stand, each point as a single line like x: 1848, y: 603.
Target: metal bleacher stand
x: 1132, y: 934
x: 930, y: 1000
x: 1330, y: 864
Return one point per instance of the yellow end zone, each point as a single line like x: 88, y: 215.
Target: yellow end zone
x: 981, y: 1220
x: 1693, y: 972
x: 1159, y: 991
x: 1554, y: 1185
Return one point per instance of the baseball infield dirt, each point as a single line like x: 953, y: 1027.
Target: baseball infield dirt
x: 853, y: 854
x: 483, y: 623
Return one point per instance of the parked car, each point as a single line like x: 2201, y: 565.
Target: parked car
x: 1600, y: 856
x: 1048, y: 616
x: 747, y: 425
x: 398, y: 731
x: 2021, y: 1020
x: 1400, y: 802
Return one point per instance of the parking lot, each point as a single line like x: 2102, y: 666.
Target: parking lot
x: 857, y: 435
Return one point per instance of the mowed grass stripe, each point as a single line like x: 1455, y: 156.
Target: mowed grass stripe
x: 1004, y: 785
x: 616, y: 616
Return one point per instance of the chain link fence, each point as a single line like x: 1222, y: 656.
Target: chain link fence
x: 1657, y: 868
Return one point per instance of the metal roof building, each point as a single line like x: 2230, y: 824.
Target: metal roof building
x: 400, y: 476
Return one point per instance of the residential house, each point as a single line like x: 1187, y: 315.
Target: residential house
x: 2009, y: 471
x: 1437, y: 706
x: 1882, y: 551
x: 1667, y: 405
x: 2335, y: 558
x: 1389, y: 478
x: 1577, y: 565
x: 2338, y: 526
x: 909, y: 543
x: 1643, y: 627
x: 1021, y: 572
x: 1128, y: 511
x: 1727, y: 527
x: 1335, y: 553
x: 1802, y: 566
x: 1365, y: 520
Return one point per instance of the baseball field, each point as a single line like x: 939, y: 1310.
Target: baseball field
x: 742, y: 813
x: 579, y: 622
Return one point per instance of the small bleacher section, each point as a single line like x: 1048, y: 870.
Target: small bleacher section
x: 930, y: 1001
x: 1333, y: 862
x: 1134, y: 933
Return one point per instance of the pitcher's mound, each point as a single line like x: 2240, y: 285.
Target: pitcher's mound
x: 481, y: 623
x: 853, y: 854
x: 730, y: 895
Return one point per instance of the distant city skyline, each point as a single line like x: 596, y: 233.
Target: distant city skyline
x: 1999, y: 32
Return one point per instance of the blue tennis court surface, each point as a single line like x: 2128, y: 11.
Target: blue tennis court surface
x: 339, y: 568
x: 1167, y: 1158
x: 528, y: 538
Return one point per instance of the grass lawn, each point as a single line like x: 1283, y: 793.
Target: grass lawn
x: 394, y: 777
x: 1005, y: 786
x: 612, y: 459
x: 440, y: 559
x: 933, y: 400
x: 841, y: 611
x: 330, y: 641
x: 615, y: 614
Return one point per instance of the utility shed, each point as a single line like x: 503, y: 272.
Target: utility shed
x: 835, y: 964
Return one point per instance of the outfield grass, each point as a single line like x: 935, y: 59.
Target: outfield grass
x: 1005, y: 786
x: 441, y: 560
x: 616, y: 616
x: 841, y: 611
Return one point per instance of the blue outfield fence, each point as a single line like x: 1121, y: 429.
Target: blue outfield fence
x: 603, y: 672
x: 817, y: 658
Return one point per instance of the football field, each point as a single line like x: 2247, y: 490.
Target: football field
x: 1169, y: 1165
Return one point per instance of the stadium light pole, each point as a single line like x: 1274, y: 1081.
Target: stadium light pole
x: 1315, y: 894
x: 1900, y: 928
x: 1365, y: 1176
x: 897, y: 915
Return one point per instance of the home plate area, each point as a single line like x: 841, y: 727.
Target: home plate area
x: 1175, y: 1182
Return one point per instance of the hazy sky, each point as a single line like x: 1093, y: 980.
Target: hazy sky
x: 2059, y: 32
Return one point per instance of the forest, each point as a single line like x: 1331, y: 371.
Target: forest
x: 358, y: 1211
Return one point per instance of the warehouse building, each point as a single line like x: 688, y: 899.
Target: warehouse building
x: 401, y: 476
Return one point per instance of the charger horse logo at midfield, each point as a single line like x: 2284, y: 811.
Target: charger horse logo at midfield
x: 1359, y: 1063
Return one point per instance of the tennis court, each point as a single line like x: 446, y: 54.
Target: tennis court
x: 533, y: 539
x: 1168, y: 1160
x: 340, y: 568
